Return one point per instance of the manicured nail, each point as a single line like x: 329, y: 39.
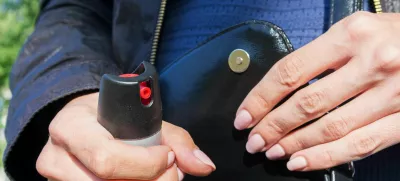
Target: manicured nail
x: 255, y: 144
x: 297, y: 163
x: 181, y: 175
x: 243, y: 120
x: 275, y: 152
x: 171, y: 158
x: 204, y: 158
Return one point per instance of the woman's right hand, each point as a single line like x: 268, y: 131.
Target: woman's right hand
x: 79, y: 148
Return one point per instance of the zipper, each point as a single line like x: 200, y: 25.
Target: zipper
x: 157, y: 32
x: 377, y: 6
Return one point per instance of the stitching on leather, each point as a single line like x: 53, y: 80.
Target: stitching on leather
x: 281, y: 33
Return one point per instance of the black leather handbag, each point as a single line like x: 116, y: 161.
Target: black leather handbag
x: 201, y: 93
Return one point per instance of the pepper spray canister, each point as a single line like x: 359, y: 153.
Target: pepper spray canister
x: 130, y: 106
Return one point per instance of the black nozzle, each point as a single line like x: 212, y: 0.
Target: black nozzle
x: 124, y: 111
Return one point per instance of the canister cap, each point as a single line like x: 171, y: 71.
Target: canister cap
x: 126, y: 107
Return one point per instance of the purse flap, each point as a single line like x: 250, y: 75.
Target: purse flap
x: 201, y: 93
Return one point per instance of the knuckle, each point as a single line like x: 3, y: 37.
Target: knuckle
x: 311, y: 104
x: 261, y: 100
x: 386, y: 58
x: 55, y: 130
x: 102, y: 164
x: 289, y: 71
x: 42, y: 167
x: 360, y: 17
x: 365, y: 145
x: 178, y: 134
x: 300, y: 143
x: 358, y: 25
x: 183, y: 132
x: 336, y: 129
x: 278, y: 126
x: 44, y: 164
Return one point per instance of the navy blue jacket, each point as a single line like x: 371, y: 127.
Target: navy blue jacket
x: 74, y: 43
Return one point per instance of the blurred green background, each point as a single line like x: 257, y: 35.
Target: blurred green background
x: 17, y: 18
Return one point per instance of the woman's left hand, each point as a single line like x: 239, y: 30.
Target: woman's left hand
x: 364, y: 51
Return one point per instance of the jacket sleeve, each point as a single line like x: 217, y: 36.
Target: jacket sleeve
x: 66, y: 55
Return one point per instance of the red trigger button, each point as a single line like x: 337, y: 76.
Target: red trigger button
x: 145, y: 91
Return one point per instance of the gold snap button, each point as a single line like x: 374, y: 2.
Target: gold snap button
x: 239, y: 60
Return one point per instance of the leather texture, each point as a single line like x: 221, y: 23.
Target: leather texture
x: 343, y: 8
x: 390, y: 6
x: 201, y: 94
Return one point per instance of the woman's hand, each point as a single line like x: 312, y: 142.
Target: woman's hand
x: 364, y: 49
x: 79, y: 148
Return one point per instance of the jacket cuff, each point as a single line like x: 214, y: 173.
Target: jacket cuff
x: 38, y: 103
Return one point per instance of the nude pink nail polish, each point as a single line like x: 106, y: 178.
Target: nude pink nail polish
x: 255, y: 144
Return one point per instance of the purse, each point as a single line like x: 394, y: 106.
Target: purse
x: 201, y: 93
x: 202, y: 90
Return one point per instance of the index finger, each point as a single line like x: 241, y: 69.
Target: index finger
x: 329, y: 51
x: 108, y: 158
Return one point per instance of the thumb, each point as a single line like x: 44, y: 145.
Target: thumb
x: 190, y: 159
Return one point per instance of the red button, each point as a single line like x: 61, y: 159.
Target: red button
x: 145, y: 91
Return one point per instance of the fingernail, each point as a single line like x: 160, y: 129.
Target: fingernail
x: 181, y: 175
x: 243, y: 120
x: 204, y: 158
x: 297, y: 163
x: 171, y: 158
x: 275, y: 152
x: 255, y: 144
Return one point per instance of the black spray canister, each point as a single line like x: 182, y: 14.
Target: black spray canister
x: 130, y: 106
